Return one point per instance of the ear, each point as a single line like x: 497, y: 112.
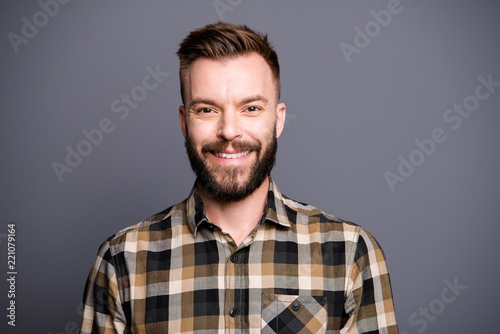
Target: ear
x: 182, y: 120
x: 280, y: 118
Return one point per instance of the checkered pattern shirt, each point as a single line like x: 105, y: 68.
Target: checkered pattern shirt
x: 299, y: 271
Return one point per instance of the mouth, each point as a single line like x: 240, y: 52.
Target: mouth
x: 231, y: 155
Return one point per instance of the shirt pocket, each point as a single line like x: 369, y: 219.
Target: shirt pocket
x: 293, y: 314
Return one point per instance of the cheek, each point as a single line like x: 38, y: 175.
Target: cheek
x: 266, y: 132
x: 259, y: 128
x: 200, y: 134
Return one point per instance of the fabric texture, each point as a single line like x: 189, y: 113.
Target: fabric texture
x: 299, y: 271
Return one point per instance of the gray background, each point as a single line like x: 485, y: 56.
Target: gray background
x: 348, y: 124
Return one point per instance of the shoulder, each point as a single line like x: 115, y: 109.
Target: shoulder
x: 144, y: 231
x: 298, y: 211
x: 331, y: 227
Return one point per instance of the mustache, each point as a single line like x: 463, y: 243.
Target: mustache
x: 223, y: 145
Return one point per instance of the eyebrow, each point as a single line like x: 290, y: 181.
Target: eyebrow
x: 246, y: 100
x: 253, y: 99
x: 196, y: 101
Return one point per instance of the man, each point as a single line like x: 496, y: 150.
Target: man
x: 237, y: 256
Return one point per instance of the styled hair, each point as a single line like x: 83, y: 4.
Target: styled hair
x: 223, y: 40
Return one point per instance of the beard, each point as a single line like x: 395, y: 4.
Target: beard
x: 228, y: 183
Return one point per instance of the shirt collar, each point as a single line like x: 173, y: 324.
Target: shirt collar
x: 275, y: 210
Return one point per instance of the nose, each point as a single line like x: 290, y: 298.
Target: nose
x: 229, y: 127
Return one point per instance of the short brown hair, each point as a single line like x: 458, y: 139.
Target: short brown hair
x: 225, y: 40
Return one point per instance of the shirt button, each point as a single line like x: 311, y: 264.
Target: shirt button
x: 233, y: 312
x: 233, y: 258
x: 296, y: 307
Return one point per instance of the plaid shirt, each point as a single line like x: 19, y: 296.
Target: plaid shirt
x: 299, y: 271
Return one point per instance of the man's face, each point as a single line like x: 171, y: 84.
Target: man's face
x: 231, y: 122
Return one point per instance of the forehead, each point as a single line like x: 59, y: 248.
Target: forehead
x: 230, y: 78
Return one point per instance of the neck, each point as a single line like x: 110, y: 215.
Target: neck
x: 237, y: 219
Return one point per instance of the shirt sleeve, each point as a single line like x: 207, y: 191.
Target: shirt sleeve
x: 369, y: 306
x: 102, y: 310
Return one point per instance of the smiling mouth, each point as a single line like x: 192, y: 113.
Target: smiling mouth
x: 231, y: 155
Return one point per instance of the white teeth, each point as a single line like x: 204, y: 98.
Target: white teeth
x: 231, y: 156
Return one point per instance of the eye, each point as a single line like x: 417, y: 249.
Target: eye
x: 252, y: 109
x: 204, y: 110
